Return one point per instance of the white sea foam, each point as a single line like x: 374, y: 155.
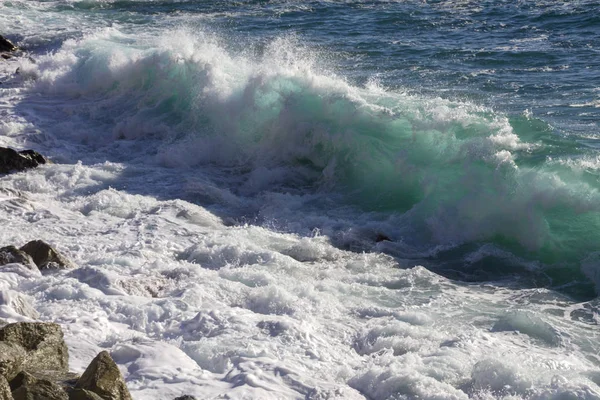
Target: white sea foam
x: 189, y: 299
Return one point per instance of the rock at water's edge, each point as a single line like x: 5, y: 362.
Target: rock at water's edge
x: 10, y: 254
x: 12, y: 160
x: 45, y: 256
x: 6, y: 45
x: 103, y: 377
x: 43, y: 343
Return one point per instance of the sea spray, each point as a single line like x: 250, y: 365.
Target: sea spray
x: 459, y: 173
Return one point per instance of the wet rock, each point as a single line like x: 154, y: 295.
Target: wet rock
x: 18, y: 303
x: 45, y: 256
x: 4, y: 389
x: 10, y: 254
x: 82, y: 394
x: 185, y: 397
x: 12, y: 358
x: 6, y: 56
x: 26, y: 387
x: 6, y: 45
x: 12, y: 160
x: 43, y: 342
x: 103, y: 377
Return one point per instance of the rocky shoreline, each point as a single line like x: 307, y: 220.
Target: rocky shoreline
x: 34, y: 359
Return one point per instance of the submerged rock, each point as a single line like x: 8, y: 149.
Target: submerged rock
x: 10, y: 254
x: 103, y: 377
x: 382, y: 238
x: 27, y: 387
x: 6, y: 45
x: 43, y: 343
x: 45, y: 256
x: 12, y: 160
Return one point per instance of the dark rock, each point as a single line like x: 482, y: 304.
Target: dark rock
x: 12, y: 358
x: 381, y: 237
x: 103, y: 377
x: 185, y: 397
x: 6, y: 45
x: 6, y: 56
x: 82, y: 394
x: 26, y: 387
x: 5, y: 389
x: 10, y: 254
x: 43, y: 342
x: 46, y: 256
x: 12, y: 160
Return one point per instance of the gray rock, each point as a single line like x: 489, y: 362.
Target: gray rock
x: 45, y: 256
x: 26, y: 387
x: 10, y: 254
x: 43, y: 342
x: 103, y: 377
x: 12, y: 358
x: 4, y: 389
x: 6, y: 45
x: 18, y: 303
x: 82, y: 394
x: 12, y: 160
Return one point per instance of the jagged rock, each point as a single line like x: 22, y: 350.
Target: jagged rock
x: 5, y: 389
x: 45, y: 256
x: 43, y: 342
x: 12, y: 160
x: 103, y: 377
x: 82, y: 394
x: 12, y: 358
x: 26, y: 387
x: 10, y: 254
x: 6, y: 45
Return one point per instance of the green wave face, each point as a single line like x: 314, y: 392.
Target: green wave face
x: 454, y: 172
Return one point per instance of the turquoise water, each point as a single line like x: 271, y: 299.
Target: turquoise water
x: 385, y: 200
x: 448, y: 127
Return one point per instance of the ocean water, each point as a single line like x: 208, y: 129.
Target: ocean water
x: 312, y: 200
